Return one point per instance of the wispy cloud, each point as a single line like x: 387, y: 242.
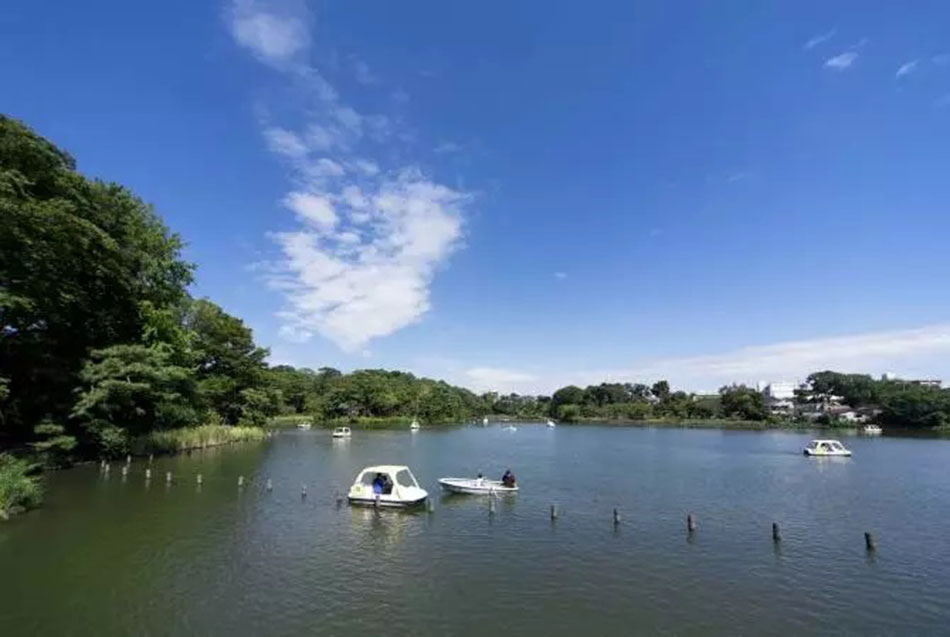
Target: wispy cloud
x: 911, y: 351
x: 446, y: 148
x: 818, y: 39
x: 907, y: 68
x: 941, y: 59
x: 371, y: 236
x: 363, y: 73
x: 560, y: 275
x: 841, y: 62
x: 498, y: 379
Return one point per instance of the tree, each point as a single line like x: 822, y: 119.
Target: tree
x: 567, y: 395
x: 77, y: 260
x: 129, y: 390
x: 660, y: 389
x: 739, y: 401
x: 227, y: 359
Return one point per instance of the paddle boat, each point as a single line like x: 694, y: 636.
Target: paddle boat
x: 551, y: 423
x: 485, y: 420
x: 386, y: 486
x: 825, y: 448
x: 510, y: 428
x: 475, y: 486
x: 414, y: 426
x: 342, y: 432
x: 303, y: 425
x: 872, y: 430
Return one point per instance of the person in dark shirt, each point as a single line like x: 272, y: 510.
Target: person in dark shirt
x: 508, y: 480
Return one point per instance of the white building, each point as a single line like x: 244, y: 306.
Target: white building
x: 780, y: 391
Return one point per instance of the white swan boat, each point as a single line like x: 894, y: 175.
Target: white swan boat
x: 824, y: 448
x: 485, y: 420
x: 342, y: 432
x: 475, y: 486
x: 551, y: 423
x: 510, y: 428
x: 872, y: 430
x: 303, y: 425
x: 386, y: 486
x: 414, y: 426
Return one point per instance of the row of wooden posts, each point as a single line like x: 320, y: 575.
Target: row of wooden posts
x: 692, y: 524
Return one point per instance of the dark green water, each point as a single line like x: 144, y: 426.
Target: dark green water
x: 107, y: 557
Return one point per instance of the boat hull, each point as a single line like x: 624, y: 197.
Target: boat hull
x: 471, y: 487
x: 383, y: 503
x: 827, y: 454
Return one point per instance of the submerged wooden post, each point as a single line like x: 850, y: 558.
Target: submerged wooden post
x: 553, y: 511
x: 776, y: 536
x: 429, y: 506
x: 270, y: 485
x: 240, y: 481
x: 303, y: 491
x: 168, y: 477
x: 491, y: 505
x: 150, y: 458
x: 198, y: 479
x: 616, y: 516
x: 691, y: 523
x: 128, y: 458
x: 106, y: 468
x: 125, y: 471
x: 339, y: 499
x: 148, y: 475
x: 869, y: 543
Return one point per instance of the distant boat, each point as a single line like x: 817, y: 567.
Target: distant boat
x: 872, y: 430
x: 510, y: 428
x: 826, y: 448
x: 303, y: 425
x: 414, y: 426
x: 475, y: 486
x: 485, y: 420
x: 551, y: 423
x: 342, y: 432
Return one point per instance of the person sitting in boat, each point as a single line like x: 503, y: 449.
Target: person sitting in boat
x: 480, y: 479
x: 387, y: 485
x: 508, y: 480
x: 378, y: 484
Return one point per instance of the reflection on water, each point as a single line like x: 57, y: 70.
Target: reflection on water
x: 112, y: 554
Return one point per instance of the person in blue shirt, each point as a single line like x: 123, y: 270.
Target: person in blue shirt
x: 378, y: 484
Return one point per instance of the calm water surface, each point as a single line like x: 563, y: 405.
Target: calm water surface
x: 107, y: 557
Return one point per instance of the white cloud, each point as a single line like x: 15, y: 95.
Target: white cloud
x: 907, y: 68
x: 274, y: 37
x: 484, y: 379
x: 446, y: 148
x: 560, y: 275
x: 285, y: 142
x: 314, y: 209
x: 362, y: 72
x: 920, y: 351
x: 370, y: 241
x: 818, y: 39
x: 841, y: 62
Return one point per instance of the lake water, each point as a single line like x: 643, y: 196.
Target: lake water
x: 107, y: 557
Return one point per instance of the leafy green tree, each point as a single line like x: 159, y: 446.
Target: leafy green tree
x: 567, y: 395
x: 53, y: 445
x: 129, y: 390
x: 660, y: 389
x: 739, y: 401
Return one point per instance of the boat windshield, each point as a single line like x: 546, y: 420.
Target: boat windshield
x: 405, y: 479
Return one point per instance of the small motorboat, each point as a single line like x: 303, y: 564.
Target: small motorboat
x: 386, y: 486
x: 485, y: 420
x: 872, y: 430
x: 551, y: 423
x: 510, y: 428
x: 342, y: 432
x: 824, y: 448
x: 475, y: 486
x: 303, y: 425
x: 414, y: 426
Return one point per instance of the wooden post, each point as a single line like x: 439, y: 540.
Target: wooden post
x: 125, y: 471
x: 869, y: 543
x: 148, y: 475
x: 616, y: 516
x: 150, y: 458
x: 429, y: 506
x: 553, y: 511
x: 691, y: 523
x: 128, y: 459
x: 270, y: 485
x: 776, y: 536
x: 199, y: 479
x: 491, y: 505
x: 106, y: 468
x: 303, y: 491
x: 168, y: 477
x: 240, y: 481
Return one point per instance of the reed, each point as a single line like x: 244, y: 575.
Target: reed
x: 175, y: 440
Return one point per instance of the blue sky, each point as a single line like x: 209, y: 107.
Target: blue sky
x: 523, y: 195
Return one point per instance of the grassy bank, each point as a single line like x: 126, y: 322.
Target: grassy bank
x: 175, y: 440
x: 20, y: 488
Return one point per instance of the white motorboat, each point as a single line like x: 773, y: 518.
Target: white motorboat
x: 414, y: 426
x: 386, y: 486
x: 475, y: 486
x: 303, y: 425
x: 342, y: 432
x: 551, y: 423
x: 485, y: 420
x: 824, y: 448
x: 510, y: 428
x: 872, y: 430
